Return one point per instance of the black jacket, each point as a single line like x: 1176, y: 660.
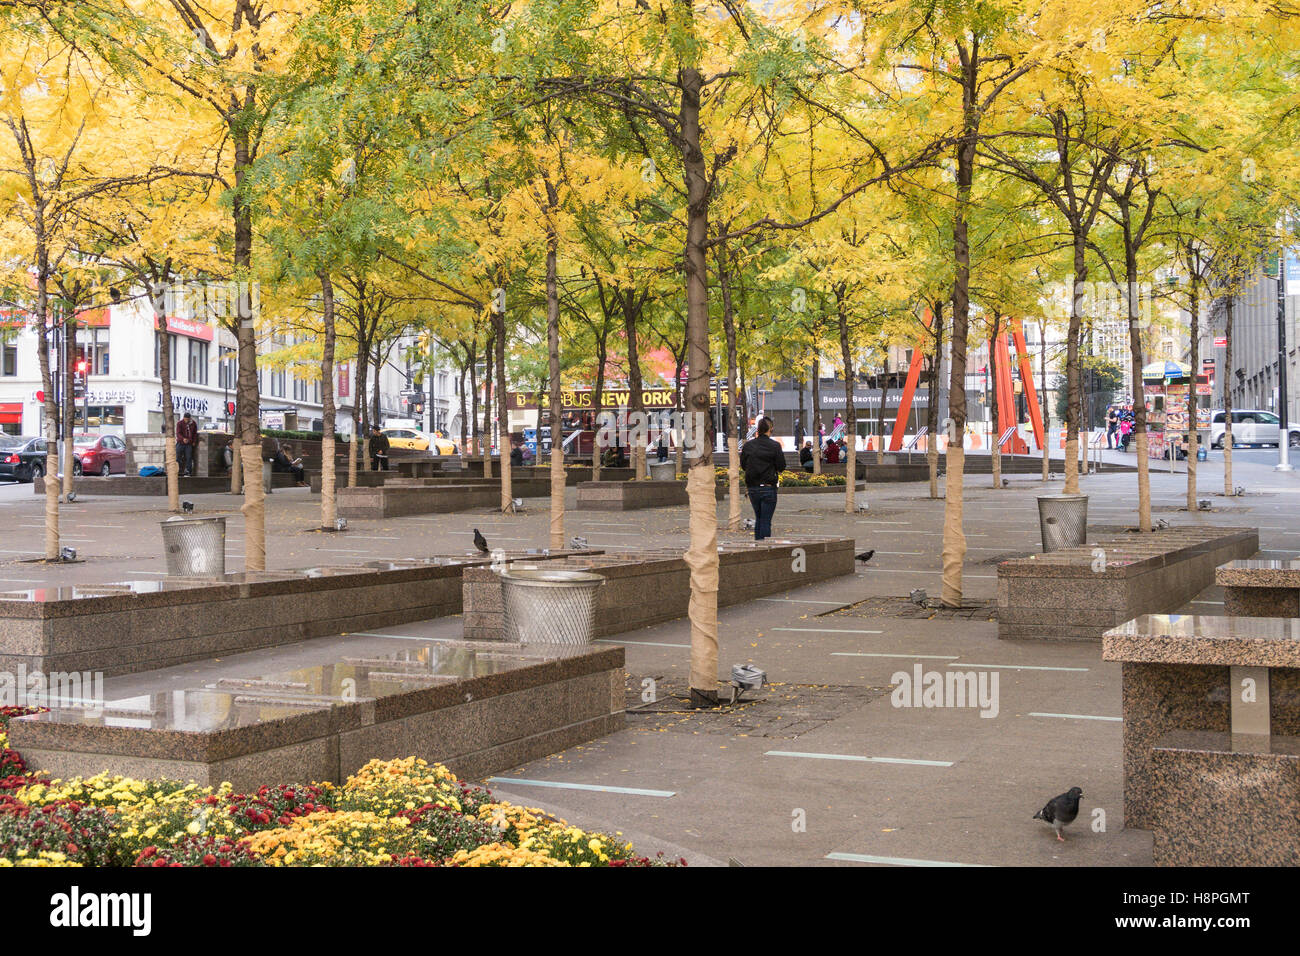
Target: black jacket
x: 378, y: 444
x: 763, y: 460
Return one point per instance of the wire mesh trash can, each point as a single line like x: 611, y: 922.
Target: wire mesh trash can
x: 663, y: 470
x: 195, y: 547
x: 1063, y: 520
x: 268, y: 477
x: 549, y: 607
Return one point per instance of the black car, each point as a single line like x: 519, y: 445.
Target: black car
x: 21, y: 459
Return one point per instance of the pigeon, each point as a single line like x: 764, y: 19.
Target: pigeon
x: 749, y: 524
x: 480, y: 542
x: 865, y: 556
x: 1061, y: 811
x: 1005, y: 482
x: 187, y: 507
x: 578, y: 543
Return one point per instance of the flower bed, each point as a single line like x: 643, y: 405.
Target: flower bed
x: 788, y: 479
x: 390, y: 813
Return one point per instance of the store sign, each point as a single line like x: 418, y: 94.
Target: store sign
x: 1220, y: 341
x: 111, y: 396
x: 193, y: 328
x: 611, y: 398
x: 185, y: 403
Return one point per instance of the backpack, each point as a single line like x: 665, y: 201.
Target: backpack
x: 151, y: 471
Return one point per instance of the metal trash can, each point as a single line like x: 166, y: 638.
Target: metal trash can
x: 549, y: 606
x: 663, y: 470
x: 1063, y: 520
x: 195, y: 547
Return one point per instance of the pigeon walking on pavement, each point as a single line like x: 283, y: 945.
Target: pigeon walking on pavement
x: 1061, y: 811
x: 480, y: 542
x: 578, y: 543
x: 865, y: 556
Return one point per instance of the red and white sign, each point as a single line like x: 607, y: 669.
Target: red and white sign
x: 1220, y: 341
x: 192, y: 328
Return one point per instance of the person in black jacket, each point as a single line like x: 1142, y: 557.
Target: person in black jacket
x: 378, y: 449
x: 806, y: 456
x: 763, y: 461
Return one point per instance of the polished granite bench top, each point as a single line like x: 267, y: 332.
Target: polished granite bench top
x: 1258, y: 574
x: 1196, y: 639
x: 251, y: 713
x: 1126, y: 553
x: 131, y: 594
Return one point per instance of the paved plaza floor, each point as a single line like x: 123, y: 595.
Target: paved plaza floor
x: 821, y: 767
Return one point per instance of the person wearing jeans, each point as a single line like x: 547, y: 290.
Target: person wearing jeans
x: 763, y: 460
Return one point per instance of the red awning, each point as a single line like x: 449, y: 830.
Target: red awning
x: 11, y: 413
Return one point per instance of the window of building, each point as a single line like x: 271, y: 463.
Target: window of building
x: 9, y: 364
x: 157, y: 362
x: 227, y: 371
x: 198, y: 362
x: 299, y: 389
x: 277, y: 383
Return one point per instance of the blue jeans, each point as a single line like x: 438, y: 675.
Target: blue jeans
x: 764, y: 502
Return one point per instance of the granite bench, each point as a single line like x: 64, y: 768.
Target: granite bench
x: 479, y: 710
x: 1260, y: 588
x: 746, y: 570
x: 630, y: 495
x: 1211, y: 709
x: 1077, y: 593
x: 156, y: 485
x: 136, y: 625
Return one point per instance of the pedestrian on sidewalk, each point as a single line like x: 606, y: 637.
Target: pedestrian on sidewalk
x: 798, y: 433
x: 763, y: 460
x: 378, y: 449
x: 1112, y: 427
x: 187, y: 439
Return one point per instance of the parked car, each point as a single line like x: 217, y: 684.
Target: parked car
x: 21, y: 458
x: 407, y: 438
x: 1251, y: 426
x: 98, y: 455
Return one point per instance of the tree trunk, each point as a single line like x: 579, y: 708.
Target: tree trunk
x: 954, y: 538
x: 1228, y: 489
x: 69, y: 398
x: 360, y: 412
x: 503, y: 417
x: 170, y: 465
x: 995, y: 449
x: 880, y: 418
x: 51, y: 407
x: 472, y: 450
x: 932, y: 413
x: 1192, y: 436
x: 702, y: 555
x: 328, y: 501
x: 1072, y: 384
x: 733, y: 393
x: 635, y: 399
x: 598, y: 398
x: 850, y: 415
x: 817, y: 415
x: 679, y: 433
x: 1139, y: 396
x: 553, y: 354
x: 464, y: 423
x: 1042, y: 405
x: 485, y: 442
x: 254, y: 507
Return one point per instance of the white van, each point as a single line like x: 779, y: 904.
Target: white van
x: 1251, y: 426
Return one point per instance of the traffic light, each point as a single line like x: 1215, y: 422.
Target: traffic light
x: 82, y: 364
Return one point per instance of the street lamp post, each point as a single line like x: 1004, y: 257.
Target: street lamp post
x: 1283, y: 430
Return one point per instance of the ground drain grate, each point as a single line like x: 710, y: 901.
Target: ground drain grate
x: 778, y: 710
x: 905, y: 607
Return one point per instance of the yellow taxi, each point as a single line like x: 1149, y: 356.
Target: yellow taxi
x: 443, y: 446
x: 407, y: 438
